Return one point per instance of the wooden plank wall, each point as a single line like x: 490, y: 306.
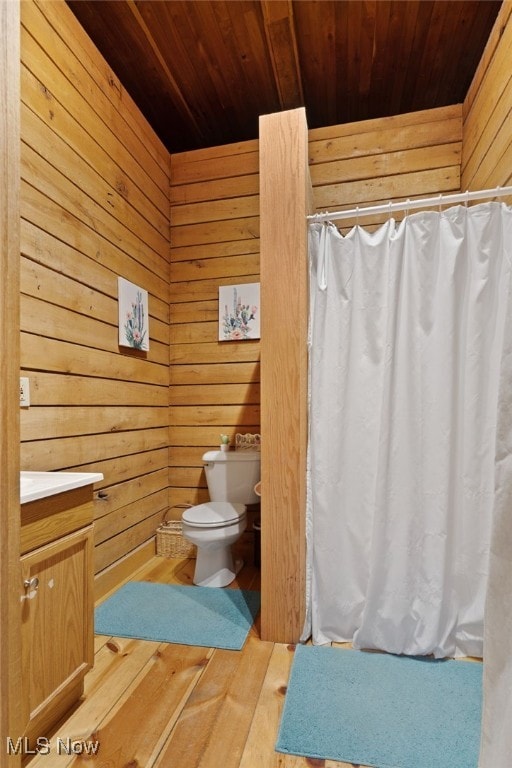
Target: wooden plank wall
x: 214, y: 242
x: 95, y: 206
x: 395, y: 158
x: 487, y: 113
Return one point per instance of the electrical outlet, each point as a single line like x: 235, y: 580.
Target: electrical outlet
x: 24, y: 392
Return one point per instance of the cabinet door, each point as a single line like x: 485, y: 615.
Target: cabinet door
x: 57, y: 627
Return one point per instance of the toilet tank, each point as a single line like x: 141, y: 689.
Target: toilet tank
x: 232, y: 475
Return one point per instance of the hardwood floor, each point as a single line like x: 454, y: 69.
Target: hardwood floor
x: 160, y: 705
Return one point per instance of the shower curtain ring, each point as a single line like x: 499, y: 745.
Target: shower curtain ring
x: 440, y: 202
x: 466, y: 201
x: 357, y: 215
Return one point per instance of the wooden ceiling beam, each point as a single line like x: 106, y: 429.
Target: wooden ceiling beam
x: 175, y: 92
x: 282, y: 45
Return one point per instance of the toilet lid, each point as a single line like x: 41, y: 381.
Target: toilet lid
x: 213, y: 513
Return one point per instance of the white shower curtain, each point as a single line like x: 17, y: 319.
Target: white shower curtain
x: 406, y: 334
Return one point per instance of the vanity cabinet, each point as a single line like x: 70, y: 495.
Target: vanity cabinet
x: 57, y: 636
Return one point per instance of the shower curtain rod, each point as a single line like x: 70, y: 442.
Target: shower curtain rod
x: 462, y: 197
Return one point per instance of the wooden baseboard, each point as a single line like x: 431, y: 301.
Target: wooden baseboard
x: 116, y: 574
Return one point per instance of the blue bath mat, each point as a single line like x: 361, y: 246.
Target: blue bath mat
x: 206, y: 616
x: 381, y: 710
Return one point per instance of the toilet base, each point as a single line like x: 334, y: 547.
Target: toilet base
x: 215, y: 567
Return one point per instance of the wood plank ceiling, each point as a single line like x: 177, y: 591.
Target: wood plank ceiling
x: 202, y: 71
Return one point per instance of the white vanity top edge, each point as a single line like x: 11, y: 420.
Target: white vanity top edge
x: 38, y: 485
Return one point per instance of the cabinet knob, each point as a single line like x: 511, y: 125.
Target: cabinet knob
x: 31, y: 584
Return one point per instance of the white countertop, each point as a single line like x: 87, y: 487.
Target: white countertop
x: 38, y: 485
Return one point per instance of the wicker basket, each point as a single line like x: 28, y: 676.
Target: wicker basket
x: 170, y: 541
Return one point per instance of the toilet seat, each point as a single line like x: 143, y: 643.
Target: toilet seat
x: 213, y: 514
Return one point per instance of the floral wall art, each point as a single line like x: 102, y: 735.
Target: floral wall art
x: 133, y: 315
x: 239, y: 312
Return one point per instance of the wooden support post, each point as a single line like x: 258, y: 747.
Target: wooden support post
x: 285, y: 200
x: 10, y: 572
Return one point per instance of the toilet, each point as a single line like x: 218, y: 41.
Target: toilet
x: 217, y: 524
